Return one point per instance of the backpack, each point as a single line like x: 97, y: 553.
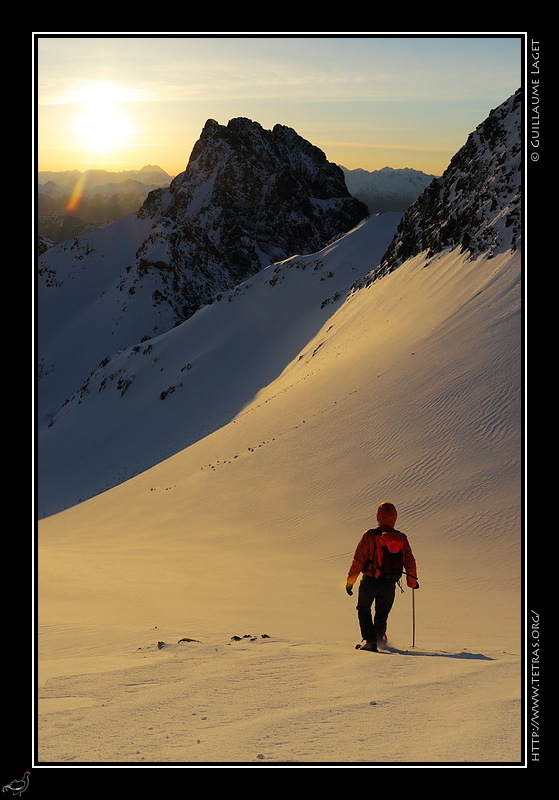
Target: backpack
x: 391, y: 559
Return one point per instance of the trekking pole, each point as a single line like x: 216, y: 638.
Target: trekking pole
x: 413, y: 617
x: 412, y: 608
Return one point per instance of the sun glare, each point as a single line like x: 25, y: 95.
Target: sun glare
x: 102, y: 124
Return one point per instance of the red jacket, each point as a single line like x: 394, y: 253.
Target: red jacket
x: 367, y: 556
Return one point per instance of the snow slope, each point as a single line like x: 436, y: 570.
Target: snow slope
x: 150, y: 400
x: 195, y: 614
x: 407, y: 390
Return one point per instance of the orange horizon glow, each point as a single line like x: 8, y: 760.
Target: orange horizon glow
x: 102, y: 120
x: 368, y: 102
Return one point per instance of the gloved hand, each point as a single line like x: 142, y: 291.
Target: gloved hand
x: 349, y: 588
x: 416, y: 586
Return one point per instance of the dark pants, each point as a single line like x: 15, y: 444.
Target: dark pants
x: 381, y: 593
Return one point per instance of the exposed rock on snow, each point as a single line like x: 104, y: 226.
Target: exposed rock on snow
x: 476, y: 203
x: 248, y: 197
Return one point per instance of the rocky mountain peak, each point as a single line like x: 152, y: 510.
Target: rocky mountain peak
x: 476, y: 204
x: 248, y: 197
x: 269, y: 160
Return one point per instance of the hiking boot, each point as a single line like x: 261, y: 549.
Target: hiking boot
x: 372, y: 646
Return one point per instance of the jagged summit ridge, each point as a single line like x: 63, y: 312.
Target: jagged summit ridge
x: 281, y: 148
x: 476, y: 204
x: 248, y: 197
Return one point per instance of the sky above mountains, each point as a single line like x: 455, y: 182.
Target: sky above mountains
x: 119, y: 102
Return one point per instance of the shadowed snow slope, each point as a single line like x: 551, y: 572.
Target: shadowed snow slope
x: 152, y: 399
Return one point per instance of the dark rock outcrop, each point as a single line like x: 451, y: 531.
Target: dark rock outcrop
x: 248, y: 197
x: 476, y: 204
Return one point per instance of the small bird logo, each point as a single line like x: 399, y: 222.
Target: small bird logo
x: 17, y: 787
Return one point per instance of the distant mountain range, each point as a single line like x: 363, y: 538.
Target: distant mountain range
x: 102, y: 180
x: 108, y: 196
x: 104, y: 198
x: 386, y: 189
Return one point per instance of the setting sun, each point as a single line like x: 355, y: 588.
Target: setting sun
x: 102, y: 124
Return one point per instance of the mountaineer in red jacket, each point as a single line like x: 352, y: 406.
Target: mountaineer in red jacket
x: 382, y: 555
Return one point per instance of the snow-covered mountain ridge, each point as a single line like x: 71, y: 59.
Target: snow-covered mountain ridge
x: 248, y: 197
x: 116, y: 403
x: 476, y: 203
